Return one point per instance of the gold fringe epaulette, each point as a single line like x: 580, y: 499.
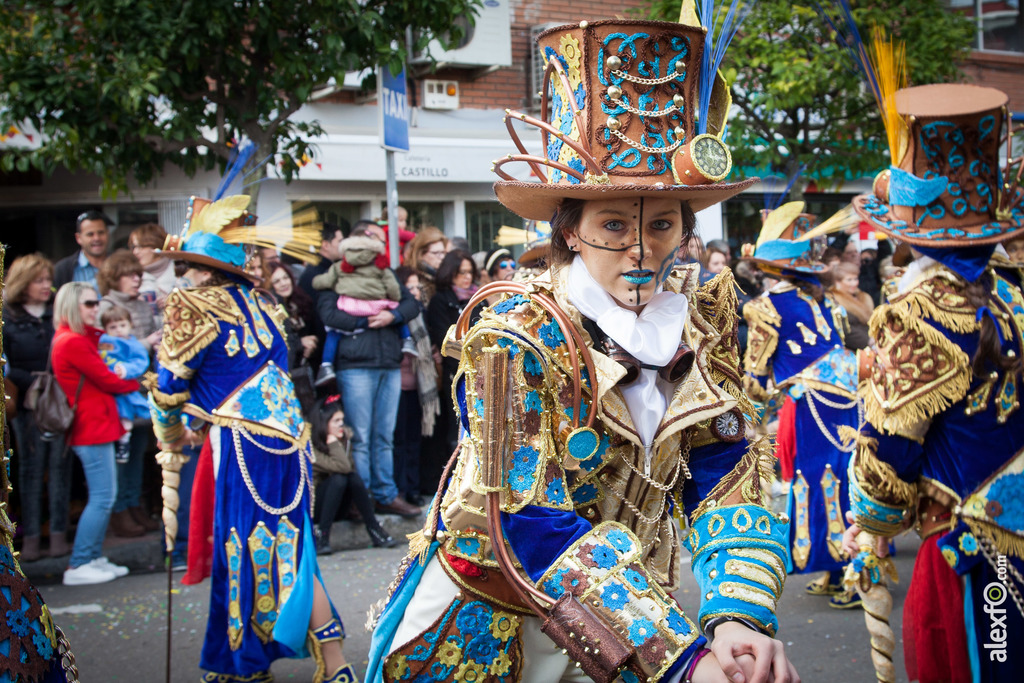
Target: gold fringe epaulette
x: 917, y: 372
x: 746, y: 483
x: 169, y: 400
x: 763, y: 323
x: 718, y: 302
x: 939, y: 296
x: 190, y: 324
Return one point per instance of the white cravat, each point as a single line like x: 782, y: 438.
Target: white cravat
x: 652, y: 337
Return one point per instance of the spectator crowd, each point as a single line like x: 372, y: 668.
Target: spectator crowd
x: 364, y: 353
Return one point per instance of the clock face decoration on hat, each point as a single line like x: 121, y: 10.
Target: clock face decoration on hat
x: 619, y: 118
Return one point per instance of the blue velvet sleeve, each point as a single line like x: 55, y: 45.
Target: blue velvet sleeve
x: 905, y: 455
x: 540, y: 535
x: 708, y: 464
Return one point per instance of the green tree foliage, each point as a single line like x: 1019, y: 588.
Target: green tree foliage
x: 798, y: 99
x: 120, y: 88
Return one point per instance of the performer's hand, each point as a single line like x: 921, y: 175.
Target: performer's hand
x: 733, y: 639
x: 710, y: 671
x: 382, y: 319
x: 852, y: 548
x: 189, y: 438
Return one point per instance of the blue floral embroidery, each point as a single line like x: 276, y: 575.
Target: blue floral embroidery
x: 628, y: 676
x: 509, y: 303
x: 570, y: 412
x: 1006, y: 490
x: 620, y: 540
x: 18, y: 622
x: 603, y: 556
x: 478, y: 406
x: 506, y: 343
x: 641, y: 630
x: 677, y: 623
x: 614, y: 596
x: 6, y: 558
x: 636, y: 579
x: 593, y: 461
x: 555, y: 491
x: 553, y: 586
x: 968, y: 544
x: 43, y: 646
x: 524, y: 468
x: 551, y: 335
x: 270, y: 397
x: 531, y: 364
x: 468, y: 546
x: 584, y: 494
x: 533, y: 402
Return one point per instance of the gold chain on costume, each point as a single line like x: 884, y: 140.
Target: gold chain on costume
x: 235, y: 429
x: 811, y: 395
x: 626, y: 76
x: 989, y: 553
x: 268, y: 449
x: 681, y: 466
x: 645, y: 148
x: 67, y: 657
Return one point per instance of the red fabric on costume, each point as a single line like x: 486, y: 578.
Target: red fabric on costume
x: 785, y: 439
x: 200, y: 519
x: 934, y: 635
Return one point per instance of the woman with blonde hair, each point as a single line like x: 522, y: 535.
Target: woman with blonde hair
x: 90, y: 387
x: 27, y: 333
x: 846, y: 292
x: 426, y: 251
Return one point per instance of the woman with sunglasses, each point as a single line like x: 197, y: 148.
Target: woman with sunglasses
x: 90, y: 387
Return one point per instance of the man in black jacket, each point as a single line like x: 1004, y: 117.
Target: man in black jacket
x: 330, y: 239
x: 92, y: 234
x: 367, y: 369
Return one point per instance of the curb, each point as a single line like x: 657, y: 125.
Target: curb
x: 145, y: 554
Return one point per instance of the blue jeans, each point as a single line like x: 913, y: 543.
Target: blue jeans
x: 370, y: 397
x: 101, y: 481
x: 129, y: 474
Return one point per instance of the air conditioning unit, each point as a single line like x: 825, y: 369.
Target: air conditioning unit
x: 487, y: 43
x: 537, y: 63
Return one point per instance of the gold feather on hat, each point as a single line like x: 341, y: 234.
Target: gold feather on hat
x: 778, y: 220
x: 843, y: 219
x: 220, y: 213
x: 300, y: 237
x: 889, y: 61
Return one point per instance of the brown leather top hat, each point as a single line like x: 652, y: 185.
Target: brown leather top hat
x: 947, y: 188
x: 618, y: 120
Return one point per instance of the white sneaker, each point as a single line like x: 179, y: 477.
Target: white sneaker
x: 87, y: 574
x: 116, y: 569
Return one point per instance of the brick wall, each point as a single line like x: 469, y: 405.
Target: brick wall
x: 999, y: 70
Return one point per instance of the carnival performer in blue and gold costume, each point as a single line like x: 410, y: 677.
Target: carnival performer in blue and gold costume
x: 596, y: 400
x: 942, y: 448
x: 223, y: 363
x: 795, y: 358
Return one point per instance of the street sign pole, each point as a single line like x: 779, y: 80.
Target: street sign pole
x: 393, y: 104
x: 392, y: 190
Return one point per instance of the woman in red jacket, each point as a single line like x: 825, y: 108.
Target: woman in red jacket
x: 90, y: 388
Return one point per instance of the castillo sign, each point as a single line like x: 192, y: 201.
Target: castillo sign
x: 394, y: 110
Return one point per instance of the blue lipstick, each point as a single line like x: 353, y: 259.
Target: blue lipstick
x: 639, y: 277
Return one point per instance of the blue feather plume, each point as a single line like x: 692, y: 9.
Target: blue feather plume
x: 839, y: 17
x: 716, y: 42
x: 240, y: 156
x: 777, y: 187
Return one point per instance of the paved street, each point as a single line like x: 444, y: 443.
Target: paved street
x: 118, y: 630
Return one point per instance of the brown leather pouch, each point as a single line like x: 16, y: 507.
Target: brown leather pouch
x: 585, y: 639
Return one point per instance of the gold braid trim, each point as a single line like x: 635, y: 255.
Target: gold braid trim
x: 940, y: 298
x: 718, y: 303
x: 1006, y: 542
x: 190, y: 324
x: 149, y: 381
x: 747, y: 480
x: 762, y: 334
x: 917, y: 373
x: 877, y: 478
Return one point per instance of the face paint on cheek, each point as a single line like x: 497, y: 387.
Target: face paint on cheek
x: 665, y: 269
